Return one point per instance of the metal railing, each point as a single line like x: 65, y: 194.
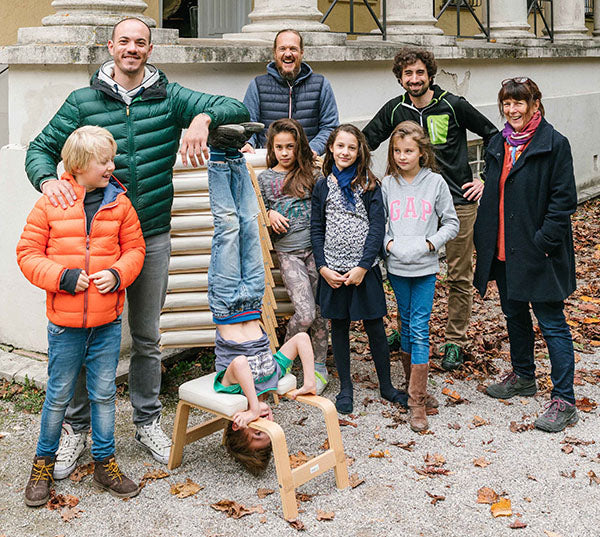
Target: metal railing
x: 536, y: 7
x: 589, y: 8
x: 468, y: 5
x: 381, y: 24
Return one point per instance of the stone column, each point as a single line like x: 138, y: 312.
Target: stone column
x: 270, y: 16
x: 596, y: 31
x: 90, y: 21
x: 569, y: 19
x: 508, y: 19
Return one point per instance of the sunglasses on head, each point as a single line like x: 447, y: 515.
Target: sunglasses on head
x: 516, y: 80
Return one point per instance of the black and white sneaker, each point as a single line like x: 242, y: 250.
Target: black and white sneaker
x: 233, y: 135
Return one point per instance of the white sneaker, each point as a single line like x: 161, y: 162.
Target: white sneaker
x: 70, y: 449
x: 152, y: 437
x: 322, y: 378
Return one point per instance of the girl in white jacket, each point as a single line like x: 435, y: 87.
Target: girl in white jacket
x: 420, y: 219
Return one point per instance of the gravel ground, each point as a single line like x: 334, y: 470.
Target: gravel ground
x: 525, y: 467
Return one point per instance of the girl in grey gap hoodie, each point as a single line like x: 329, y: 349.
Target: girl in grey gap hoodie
x: 420, y: 219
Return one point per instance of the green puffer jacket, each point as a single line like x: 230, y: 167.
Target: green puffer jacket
x: 147, y: 133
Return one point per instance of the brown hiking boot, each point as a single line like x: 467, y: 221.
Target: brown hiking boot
x: 430, y: 400
x: 417, y: 391
x: 37, y: 491
x: 108, y: 476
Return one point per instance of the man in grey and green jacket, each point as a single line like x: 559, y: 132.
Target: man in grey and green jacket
x: 446, y: 118
x: 146, y: 114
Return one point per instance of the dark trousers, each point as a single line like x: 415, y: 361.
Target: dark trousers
x: 555, y: 330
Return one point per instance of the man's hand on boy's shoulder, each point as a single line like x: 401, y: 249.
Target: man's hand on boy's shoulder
x: 59, y: 192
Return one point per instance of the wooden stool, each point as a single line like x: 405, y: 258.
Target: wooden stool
x: 199, y: 393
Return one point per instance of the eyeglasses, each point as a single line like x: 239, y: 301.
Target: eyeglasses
x: 516, y: 80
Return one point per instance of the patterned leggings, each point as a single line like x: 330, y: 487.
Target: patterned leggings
x: 299, y: 274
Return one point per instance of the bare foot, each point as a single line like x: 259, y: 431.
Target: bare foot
x: 242, y: 419
x: 307, y: 389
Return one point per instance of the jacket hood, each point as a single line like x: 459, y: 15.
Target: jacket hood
x: 153, y: 85
x: 305, y: 72
x: 111, y: 191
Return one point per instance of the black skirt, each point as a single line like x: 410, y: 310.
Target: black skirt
x: 357, y: 303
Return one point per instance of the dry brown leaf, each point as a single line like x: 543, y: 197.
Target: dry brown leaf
x: 501, y: 508
x: 297, y: 524
x: 325, y: 445
x: 379, y: 454
x: 263, y: 493
x: 58, y: 501
x: 481, y: 462
x: 437, y: 459
x: 435, y: 498
x: 478, y: 421
x: 325, y: 515
x: 153, y: 475
x: 235, y: 509
x: 298, y: 459
x: 593, y: 477
x: 451, y: 394
x: 552, y: 533
x: 344, y: 423
x: 407, y: 446
x: 487, y: 495
x: 69, y: 513
x: 262, y: 519
x: 520, y: 427
x: 567, y: 448
x: 303, y: 497
x: 517, y: 525
x: 585, y: 405
x: 354, y: 480
x: 185, y: 489
x: 81, y: 471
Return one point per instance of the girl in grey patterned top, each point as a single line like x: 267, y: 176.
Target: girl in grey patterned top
x: 347, y: 229
x: 286, y: 187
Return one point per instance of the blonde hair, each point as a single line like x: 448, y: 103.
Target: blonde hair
x: 87, y: 143
x: 411, y: 129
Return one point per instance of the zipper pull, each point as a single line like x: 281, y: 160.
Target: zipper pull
x: 87, y: 242
x: 127, y: 110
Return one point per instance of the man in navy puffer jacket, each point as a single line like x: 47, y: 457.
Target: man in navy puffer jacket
x: 291, y: 89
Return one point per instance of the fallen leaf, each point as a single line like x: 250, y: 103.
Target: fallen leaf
x: 478, y: 421
x: 568, y: 448
x: 69, y: 513
x: 593, y: 477
x: 437, y: 459
x: 298, y: 459
x: 520, y: 427
x: 585, y: 405
x: 58, y: 501
x: 325, y: 445
x: 325, y: 515
x: 487, y: 495
x: 454, y: 426
x: 552, y: 533
x: 451, y: 394
x: 344, y: 423
x: 431, y: 471
x: 263, y: 493
x: 567, y: 474
x: 532, y: 477
x: 235, y: 509
x: 407, y: 446
x: 303, y: 497
x: 81, y: 471
x: 379, y: 454
x: 185, y: 489
x: 262, y: 519
x: 301, y: 421
x: 517, y: 525
x: 354, y: 480
x: 153, y: 475
x: 435, y: 498
x: 296, y: 524
x: 481, y: 462
x: 501, y: 508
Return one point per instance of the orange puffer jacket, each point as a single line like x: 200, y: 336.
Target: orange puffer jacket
x: 55, y: 239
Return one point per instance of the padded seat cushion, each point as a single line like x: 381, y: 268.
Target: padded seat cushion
x: 201, y: 392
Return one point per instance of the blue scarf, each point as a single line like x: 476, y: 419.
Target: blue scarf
x: 344, y: 178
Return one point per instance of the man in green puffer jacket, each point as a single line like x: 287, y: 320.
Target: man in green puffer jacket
x: 145, y: 114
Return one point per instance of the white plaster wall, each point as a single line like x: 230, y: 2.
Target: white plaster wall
x: 571, y: 96
x: 3, y: 105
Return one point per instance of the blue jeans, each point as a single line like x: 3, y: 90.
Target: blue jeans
x: 236, y: 274
x: 555, y: 330
x: 68, y: 350
x: 415, y: 302
x: 145, y: 299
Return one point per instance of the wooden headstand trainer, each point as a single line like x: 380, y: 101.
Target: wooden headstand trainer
x: 199, y: 393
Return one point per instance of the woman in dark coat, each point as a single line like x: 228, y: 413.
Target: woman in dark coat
x: 524, y: 241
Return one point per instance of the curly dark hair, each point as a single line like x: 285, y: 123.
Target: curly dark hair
x: 408, y: 56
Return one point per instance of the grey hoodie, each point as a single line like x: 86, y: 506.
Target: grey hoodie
x: 151, y: 76
x: 415, y: 213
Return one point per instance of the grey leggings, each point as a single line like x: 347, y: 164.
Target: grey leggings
x: 299, y: 274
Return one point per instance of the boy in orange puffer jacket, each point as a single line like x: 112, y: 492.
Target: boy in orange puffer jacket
x: 84, y: 257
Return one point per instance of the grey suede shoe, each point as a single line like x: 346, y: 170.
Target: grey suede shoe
x: 558, y: 415
x: 512, y: 385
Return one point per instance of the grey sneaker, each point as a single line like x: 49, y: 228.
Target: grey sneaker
x: 511, y: 385
x: 322, y: 378
x: 152, y: 437
x: 70, y: 449
x: 558, y: 415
